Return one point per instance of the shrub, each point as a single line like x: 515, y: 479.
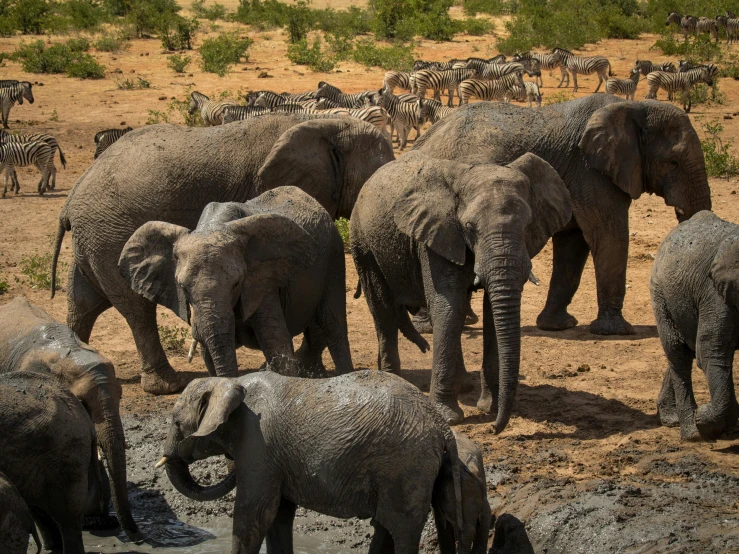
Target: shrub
x: 219, y: 53
x: 130, y: 84
x: 178, y: 63
x: 299, y: 21
x: 559, y: 97
x: 399, y: 58
x: 110, y: 43
x: 36, y: 58
x: 83, y: 15
x: 79, y: 44
x: 175, y: 107
x: 86, y: 67
x: 4, y: 286
x: 342, y: 226
x: 341, y: 45
x: 719, y: 161
x: 212, y: 13
x: 177, y: 32
x: 37, y: 270
x: 301, y: 54
x: 699, y: 94
x: 30, y: 17
x: 149, y: 16
x: 698, y: 49
x: 263, y: 14
x: 492, y: 7
x: 172, y: 337
x: 476, y: 27
x: 346, y: 23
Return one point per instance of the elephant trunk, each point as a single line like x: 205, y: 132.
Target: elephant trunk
x: 179, y: 475
x: 698, y: 192
x: 217, y: 330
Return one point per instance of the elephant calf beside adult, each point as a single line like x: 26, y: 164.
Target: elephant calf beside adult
x: 170, y: 173
x: 608, y: 152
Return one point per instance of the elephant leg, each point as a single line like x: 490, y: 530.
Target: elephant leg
x: 666, y: 403
x: 489, y: 374
x: 332, y: 323
x: 715, y: 353
x: 422, y: 322
x: 280, y: 534
x: 680, y: 365
x: 85, y: 302
x: 382, y: 541
x: 47, y: 528
x: 255, y: 511
x: 274, y: 337
x: 444, y: 533
x: 310, y: 353
x: 470, y: 317
x: 570, y: 254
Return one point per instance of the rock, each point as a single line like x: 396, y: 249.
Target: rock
x: 123, y: 122
x: 162, y: 98
x: 727, y: 116
x: 264, y: 75
x: 583, y: 368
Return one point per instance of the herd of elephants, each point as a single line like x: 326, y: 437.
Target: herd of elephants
x: 232, y: 228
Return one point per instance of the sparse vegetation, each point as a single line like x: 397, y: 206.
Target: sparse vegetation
x: 342, y: 226
x: 559, y: 97
x: 172, y: 337
x: 212, y: 13
x: 37, y: 271
x: 79, y: 44
x: 312, y: 56
x: 399, y: 58
x: 698, y: 49
x: 219, y: 53
x: 177, y: 111
x: 177, y: 32
x: 111, y: 43
x: 4, y: 286
x: 719, y: 160
x: 178, y: 63
x: 131, y: 84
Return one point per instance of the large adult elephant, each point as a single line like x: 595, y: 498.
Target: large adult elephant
x: 608, y: 152
x: 170, y: 173
x: 32, y: 340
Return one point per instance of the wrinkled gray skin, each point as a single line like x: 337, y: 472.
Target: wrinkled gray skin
x: 365, y: 445
x: 32, y: 340
x: 423, y: 229
x: 170, y: 173
x: 608, y: 152
x: 695, y: 296
x: 254, y: 274
x: 16, y: 522
x: 475, y: 504
x: 49, y: 452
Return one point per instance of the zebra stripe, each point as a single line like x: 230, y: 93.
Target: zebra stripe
x: 493, y: 72
x: 11, y: 94
x: 290, y: 107
x: 210, y: 110
x: 418, y: 65
x: 8, y: 82
x: 251, y: 97
x: 403, y: 115
x: 15, y: 154
x: 436, y: 110
x: 707, y: 26
x: 730, y: 25
x: 624, y: 87
x: 240, y: 113
x: 646, y: 67
x: 7, y: 138
x: 269, y: 100
x: 548, y: 62
x: 299, y: 96
x: 104, y: 139
x: 585, y: 66
x: 686, y: 23
x: 680, y: 82
x: 396, y: 79
x: 355, y: 100
x: 487, y: 90
x: 439, y: 81
x: 530, y: 93
x: 375, y: 115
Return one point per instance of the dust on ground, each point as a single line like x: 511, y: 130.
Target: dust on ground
x: 583, y: 462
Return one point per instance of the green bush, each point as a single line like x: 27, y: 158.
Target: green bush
x: 476, y: 27
x: 110, y: 43
x: 341, y: 45
x: 79, y: 44
x: 719, y: 161
x: 345, y: 23
x: 492, y: 7
x: 30, y: 17
x: 85, y: 67
x: 301, y: 54
x: 342, y: 226
x: 698, y: 49
x: 35, y: 57
x: 178, y: 63
x: 4, y: 286
x: 37, y: 271
x: 149, y: 16
x: 699, y: 94
x: 175, y: 108
x: 172, y: 337
x: 219, y: 53
x: 558, y: 98
x: 82, y: 15
x: 131, y: 84
x: 212, y: 13
x: 299, y: 21
x: 177, y: 32
x: 399, y: 58
x: 263, y: 14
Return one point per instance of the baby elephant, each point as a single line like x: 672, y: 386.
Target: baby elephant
x: 367, y: 445
x: 16, y: 522
x: 695, y: 296
x: 477, y: 514
x: 255, y: 275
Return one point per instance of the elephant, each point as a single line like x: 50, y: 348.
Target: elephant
x: 608, y: 151
x: 49, y: 452
x: 367, y: 444
x: 255, y: 274
x: 477, y: 515
x: 16, y: 522
x: 426, y: 230
x: 694, y: 286
x: 170, y: 173
x: 32, y: 340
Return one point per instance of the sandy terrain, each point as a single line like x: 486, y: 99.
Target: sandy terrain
x: 583, y: 461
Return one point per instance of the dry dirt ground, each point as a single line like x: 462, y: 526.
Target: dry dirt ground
x: 583, y: 461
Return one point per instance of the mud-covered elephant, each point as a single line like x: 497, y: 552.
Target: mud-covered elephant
x: 477, y: 515
x: 32, y: 340
x: 608, y: 152
x: 695, y: 296
x: 367, y: 445
x: 424, y: 231
x: 170, y: 173
x: 254, y: 274
x: 49, y: 452
x: 16, y: 521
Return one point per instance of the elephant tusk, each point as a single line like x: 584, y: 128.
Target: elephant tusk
x: 476, y: 282
x: 680, y: 211
x: 160, y: 463
x: 193, y: 349
x: 100, y: 454
x: 533, y: 278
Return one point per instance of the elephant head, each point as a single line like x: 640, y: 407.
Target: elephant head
x: 336, y: 156
x: 649, y: 147
x: 200, y: 430
x: 504, y: 215
x: 223, y: 271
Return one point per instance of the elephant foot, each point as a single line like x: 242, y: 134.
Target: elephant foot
x: 422, y: 322
x: 611, y: 325
x: 100, y: 523
x: 450, y: 411
x: 709, y: 426
x: 485, y: 404
x: 466, y: 382
x: 163, y: 382
x: 668, y: 416
x: 471, y: 318
x: 555, y: 321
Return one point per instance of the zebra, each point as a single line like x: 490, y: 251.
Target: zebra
x: 684, y: 65
x: 252, y: 96
x: 6, y: 138
x: 375, y: 115
x: 11, y: 94
x: 8, y: 82
x: 436, y: 110
x: 299, y: 96
x: 403, y: 115
x: 104, y: 139
x: 240, y: 113
x: 625, y: 87
x: 730, y: 25
x: 355, y: 100
x: 488, y: 90
x: 707, y: 26
x: 396, y: 79
x: 290, y: 107
x: 20, y: 154
x: 585, y: 66
x: 646, y: 67
x: 546, y: 61
x: 210, y: 110
x: 439, y: 81
x: 686, y: 23
x: 681, y: 82
x: 530, y: 93
x: 269, y: 100
x: 418, y: 65
x: 493, y: 72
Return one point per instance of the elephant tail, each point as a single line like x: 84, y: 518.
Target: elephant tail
x: 451, y: 448
x: 61, y: 229
x: 410, y: 332
x: 358, y: 292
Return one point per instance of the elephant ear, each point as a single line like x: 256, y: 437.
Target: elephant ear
x: 216, y: 406
x: 610, y: 144
x: 307, y: 156
x: 427, y: 212
x: 724, y: 271
x: 551, y: 208
x: 275, y: 249
x: 147, y: 264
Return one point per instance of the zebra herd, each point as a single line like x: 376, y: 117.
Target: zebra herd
x: 691, y: 25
